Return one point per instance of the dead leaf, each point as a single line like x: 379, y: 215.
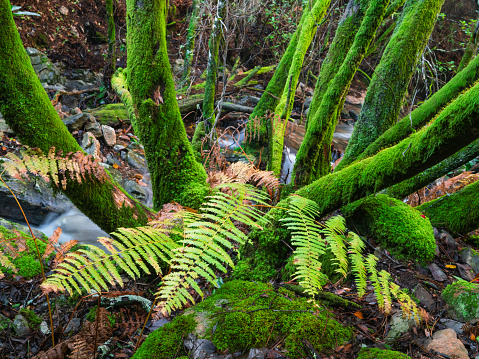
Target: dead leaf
x: 115, y: 166
x: 450, y: 266
x: 359, y: 314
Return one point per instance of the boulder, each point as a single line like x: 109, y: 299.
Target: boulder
x: 399, y: 325
x: 109, y: 135
x: 45, y: 70
x: 94, y: 128
x: 462, y: 299
x: 446, y: 342
x: 471, y: 257
x: 20, y: 326
x: 424, y: 297
x: 76, y: 122
x: 91, y: 145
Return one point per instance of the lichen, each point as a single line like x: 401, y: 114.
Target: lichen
x: 463, y: 300
x: 374, y: 353
x: 395, y: 225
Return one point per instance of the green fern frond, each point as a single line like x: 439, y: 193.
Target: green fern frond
x: 93, y: 268
x: 334, y: 230
x: 208, y: 236
x: 371, y: 262
x: 384, y: 278
x: 356, y: 247
x: 306, y: 236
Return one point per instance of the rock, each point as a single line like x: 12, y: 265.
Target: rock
x: 307, y: 102
x: 466, y: 272
x: 344, y: 114
x: 199, y: 348
x: 73, y: 326
x: 448, y: 239
x: 76, y: 122
x: 63, y: 10
x: 82, y: 75
x: 399, y: 325
x: 155, y: 324
x: 462, y: 299
x: 178, y: 66
x: 109, y: 114
x: 4, y: 322
x: 109, y: 135
x: 137, y: 191
x: 452, y: 324
x: 45, y: 328
x: 437, y: 273
x: 257, y: 353
x: 78, y: 85
x: 94, y: 128
x: 20, y: 326
x: 112, y: 160
x: 471, y: 257
x: 91, y: 145
x: 136, y: 161
x: 424, y: 297
x: 354, y: 115
x: 446, y: 342
x: 45, y: 70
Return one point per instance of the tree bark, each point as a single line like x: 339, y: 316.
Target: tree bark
x: 29, y: 112
x: 175, y: 174
x: 389, y: 83
x: 190, y: 43
x: 312, y: 160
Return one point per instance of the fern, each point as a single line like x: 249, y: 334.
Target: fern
x: 307, y: 236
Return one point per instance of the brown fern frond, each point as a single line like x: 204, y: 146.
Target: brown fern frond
x: 52, y: 242
x: 62, y: 251
x: 59, y: 351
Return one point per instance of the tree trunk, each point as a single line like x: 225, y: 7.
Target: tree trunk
x: 315, y: 149
x: 422, y: 115
x: 29, y: 112
x: 471, y: 48
x: 175, y: 174
x: 110, y: 66
x: 190, y: 43
x: 458, y: 212
x: 285, y: 105
x: 389, y: 83
x: 212, y: 66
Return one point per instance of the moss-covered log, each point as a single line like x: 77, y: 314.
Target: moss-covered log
x: 190, y: 43
x: 422, y: 115
x: 285, y: 105
x: 312, y: 160
x: 458, y: 212
x: 28, y: 111
x: 391, y: 77
x: 395, y: 225
x: 405, y: 188
x: 175, y: 174
x: 471, y: 48
x: 212, y: 65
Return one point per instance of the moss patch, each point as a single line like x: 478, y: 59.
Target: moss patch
x: 395, y: 225
x: 373, y: 353
x: 463, y: 300
x: 249, y: 315
x: 167, y: 342
x: 109, y: 114
x: 33, y: 320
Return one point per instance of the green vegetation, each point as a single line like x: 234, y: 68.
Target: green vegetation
x: 32, y: 319
x: 462, y: 299
x: 373, y: 353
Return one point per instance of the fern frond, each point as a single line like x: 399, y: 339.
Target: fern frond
x: 356, y: 247
x: 371, y: 262
x: 384, y: 278
x: 94, y: 268
x: 208, y: 236
x: 334, y: 230
x: 306, y: 236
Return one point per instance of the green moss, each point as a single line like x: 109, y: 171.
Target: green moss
x: 395, y: 225
x: 374, y: 353
x: 109, y: 114
x: 458, y: 212
x: 167, y: 342
x: 4, y: 322
x: 255, y: 315
x: 463, y: 300
x: 33, y: 320
x: 473, y: 240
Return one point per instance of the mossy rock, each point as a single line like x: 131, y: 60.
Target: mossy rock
x: 33, y: 320
x: 374, y: 353
x: 250, y: 315
x: 463, y: 300
x: 394, y: 224
x: 167, y: 341
x: 27, y: 262
x: 109, y: 114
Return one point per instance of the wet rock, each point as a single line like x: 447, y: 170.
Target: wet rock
x: 199, y: 348
x: 354, y: 115
x: 425, y: 298
x: 307, y: 102
x: 446, y: 342
x: 399, y: 325
x: 437, y: 273
x: 73, y: 326
x: 471, y: 257
x: 112, y: 160
x: 344, y: 114
x: 156, y: 324
x: 109, y: 135
x: 20, y: 326
x: 91, y: 145
x: 136, y: 161
x: 137, y: 191
x: 462, y: 299
x: 452, y: 324
x: 76, y: 122
x: 94, y: 128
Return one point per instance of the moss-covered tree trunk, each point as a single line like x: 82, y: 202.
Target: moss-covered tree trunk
x: 190, y: 43
x: 285, y: 105
x: 312, y: 160
x: 423, y: 114
x: 458, y: 212
x: 28, y: 111
x: 212, y: 65
x: 471, y: 48
x: 175, y: 174
x: 391, y: 77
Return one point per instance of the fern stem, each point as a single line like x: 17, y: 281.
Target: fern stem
x: 38, y: 256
